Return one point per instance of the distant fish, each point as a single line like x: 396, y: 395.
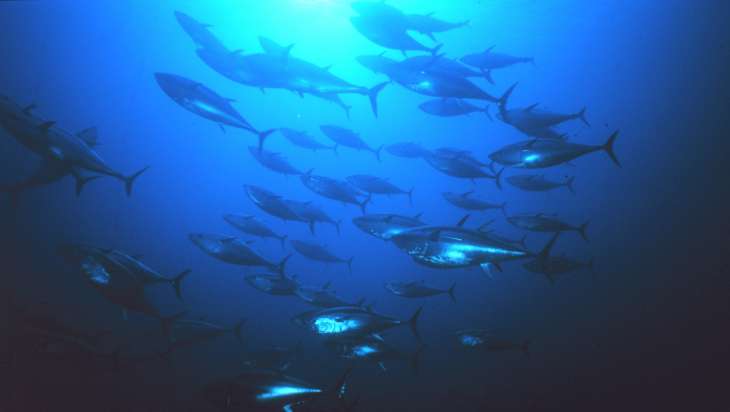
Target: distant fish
x: 538, y: 183
x: 303, y: 139
x: 556, y: 266
x: 369, y: 349
x: 251, y: 225
x: 483, y: 339
x: 273, y: 284
x: 197, y: 98
x: 352, y: 322
x: 308, y: 212
x: 408, y: 150
x: 273, y: 161
x: 271, y: 203
x: 385, y: 226
x: 467, y: 202
x: 542, y: 223
x: 232, y: 250
x: 418, y: 290
x: 334, y: 189
x: 489, y: 60
x: 378, y: 185
x: 461, y: 167
x: 323, y: 297
x: 427, y: 25
x: 450, y: 107
x: 318, y: 252
x: 348, y: 138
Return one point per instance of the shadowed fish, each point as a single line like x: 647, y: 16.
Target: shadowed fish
x: 427, y: 25
x: 385, y: 226
x: 273, y: 161
x: 483, y: 339
x: 199, y: 99
x: 323, y: 297
x: 314, y: 251
x: 417, y: 289
x: 352, y: 322
x: 450, y: 107
x: 304, y: 140
x: 274, y: 284
x: 372, y: 350
x: 409, y: 150
x: 461, y: 167
x: 467, y: 202
x: 144, y: 273
x: 376, y: 185
x: 348, y: 138
x: 334, y: 189
x: 271, y: 203
x: 49, y: 171
x: 232, y: 250
x: 557, y: 265
x: 182, y: 333
x: 539, y: 183
x: 311, y: 214
x: 274, y: 357
x: 251, y: 225
x: 199, y: 32
x: 389, y: 36
x: 542, y: 223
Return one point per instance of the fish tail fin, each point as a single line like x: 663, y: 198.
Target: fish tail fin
x: 365, y: 203
x: 347, y: 108
x: 282, y: 239
x: 569, y: 184
x: 378, y: 150
x: 486, y: 113
x: 582, y: 230
x: 487, y: 74
x: 525, y: 347
x: 340, y: 386
x: 608, y: 147
x: 502, y: 101
x: 311, y: 226
x: 82, y: 181
x: 410, y: 196
x: 373, y: 96
x: 523, y: 241
x: 413, y: 322
x: 281, y: 266
x: 177, y: 282
x: 167, y: 322
x: 582, y: 116
x: 498, y: 178
x: 416, y: 359
x: 129, y: 180
x: 237, y: 330
x: 434, y: 51
x: 503, y: 208
x: 349, y: 264
x: 337, y: 226
x: 263, y: 135
x: 450, y: 291
x: 544, y: 255
x: 334, y: 149
x: 431, y: 36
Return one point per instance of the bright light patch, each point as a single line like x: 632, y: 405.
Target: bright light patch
x: 533, y: 157
x: 275, y: 392
x: 363, y: 350
x: 329, y: 326
x: 469, y: 340
x: 96, y: 272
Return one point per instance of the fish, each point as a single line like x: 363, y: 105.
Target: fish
x: 253, y: 226
x: 385, y: 226
x: 232, y: 250
x: 49, y: 171
x: 542, y: 223
x: 538, y: 183
x: 182, y: 333
x: 482, y: 339
x: 271, y: 203
x: 348, y: 138
x: 489, y: 60
x: 384, y: 13
x: 323, y: 297
x: 204, y: 102
x: 353, y: 322
x: 557, y: 265
x: 372, y: 350
x: 315, y: 251
x: 308, y: 212
x: 304, y: 140
x: 450, y: 107
x: 521, y: 242
x: 199, y: 32
x: 418, y: 290
x: 536, y: 154
x: 457, y: 166
x: 273, y: 161
x: 378, y: 63
x: 378, y: 185
x: 260, y: 389
x: 60, y: 149
x: 274, y: 357
x: 389, y: 37
x: 438, y: 84
x: 274, y: 284
x: 334, y: 189
x: 409, y: 150
x: 427, y: 25
x: 461, y: 154
x: 467, y: 202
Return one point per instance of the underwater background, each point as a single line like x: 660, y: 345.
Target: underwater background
x: 648, y: 329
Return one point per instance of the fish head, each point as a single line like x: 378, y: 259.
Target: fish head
x: 173, y: 85
x: 206, y: 242
x: 188, y: 23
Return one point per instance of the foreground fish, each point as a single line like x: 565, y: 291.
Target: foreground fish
x: 304, y: 140
x: 62, y: 152
x: 348, y: 138
x: 308, y: 212
x: 334, y: 189
x: 482, y: 339
x: 271, y: 203
x: 377, y: 185
x: 538, y: 183
x: 535, y: 154
x: 542, y: 223
x: 204, y: 102
x: 232, y: 250
x: 427, y: 25
x: 409, y: 150
x: 467, y: 202
x: 418, y: 290
x: 257, y: 389
x: 352, y: 322
x: 251, y: 225
x: 278, y: 284
x: 317, y: 252
x: 450, y: 107
x: 385, y: 226
x: 374, y: 351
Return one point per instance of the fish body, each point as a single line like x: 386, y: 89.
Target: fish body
x: 385, y: 226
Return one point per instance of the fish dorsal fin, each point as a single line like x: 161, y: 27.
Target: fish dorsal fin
x: 462, y: 221
x: 531, y: 107
x: 46, y: 125
x: 467, y: 194
x: 29, y: 108
x: 89, y: 136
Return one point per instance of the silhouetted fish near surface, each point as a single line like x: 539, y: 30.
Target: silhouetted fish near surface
x: 348, y: 138
x: 318, y: 252
x: 273, y: 161
x: 467, y: 202
x: 232, y: 250
x: 460, y: 167
x: 539, y: 183
x: 409, y: 150
x: 418, y: 289
x: 199, y: 32
x: 334, y: 189
x: 198, y: 99
x: 483, y: 339
x: 304, y: 140
x: 310, y: 213
x: 271, y: 203
x: 450, y: 107
x: 395, y: 38
x: 353, y: 322
x: 253, y: 226
x: 273, y: 284
x: 385, y: 226
x: 372, y: 350
x: 535, y: 154
x: 378, y: 185
x: 542, y: 223
x: 427, y: 25
x: 432, y: 64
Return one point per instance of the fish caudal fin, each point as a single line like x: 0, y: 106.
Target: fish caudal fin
x: 486, y: 113
x: 82, y: 181
x: 608, y: 148
x: 450, y: 291
x: 377, y: 152
x: 365, y: 202
x: 487, y: 74
x: 177, y: 282
x: 582, y: 230
x: 416, y: 359
x: 349, y: 264
x: 129, y: 180
x: 280, y: 268
x: 569, y: 184
x: 373, y: 96
x: 282, y: 239
x: 582, y: 116
x: 237, y: 330
x: 263, y: 135
x: 498, y: 178
x: 434, y: 51
x: 544, y: 255
x: 410, y: 196
x: 502, y: 101
x: 413, y: 323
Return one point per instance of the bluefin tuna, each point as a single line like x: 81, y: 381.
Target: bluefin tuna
x: 334, y: 189
x: 450, y: 107
x: 353, y: 322
x: 539, y: 183
x: 467, y: 202
x: 385, y: 226
x: 232, y: 250
x: 536, y: 154
x: 253, y: 226
x: 543, y: 223
x: 377, y: 185
x: 315, y: 251
x: 304, y: 140
x: 273, y: 161
x: 483, y: 339
x: 427, y: 25
x: 489, y: 60
x: 418, y: 289
x: 348, y: 138
x: 271, y: 203
x: 310, y: 213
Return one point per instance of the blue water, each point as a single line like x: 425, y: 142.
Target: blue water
x: 654, y: 70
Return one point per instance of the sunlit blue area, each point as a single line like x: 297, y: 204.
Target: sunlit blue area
x: 275, y: 392
x: 364, y: 350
